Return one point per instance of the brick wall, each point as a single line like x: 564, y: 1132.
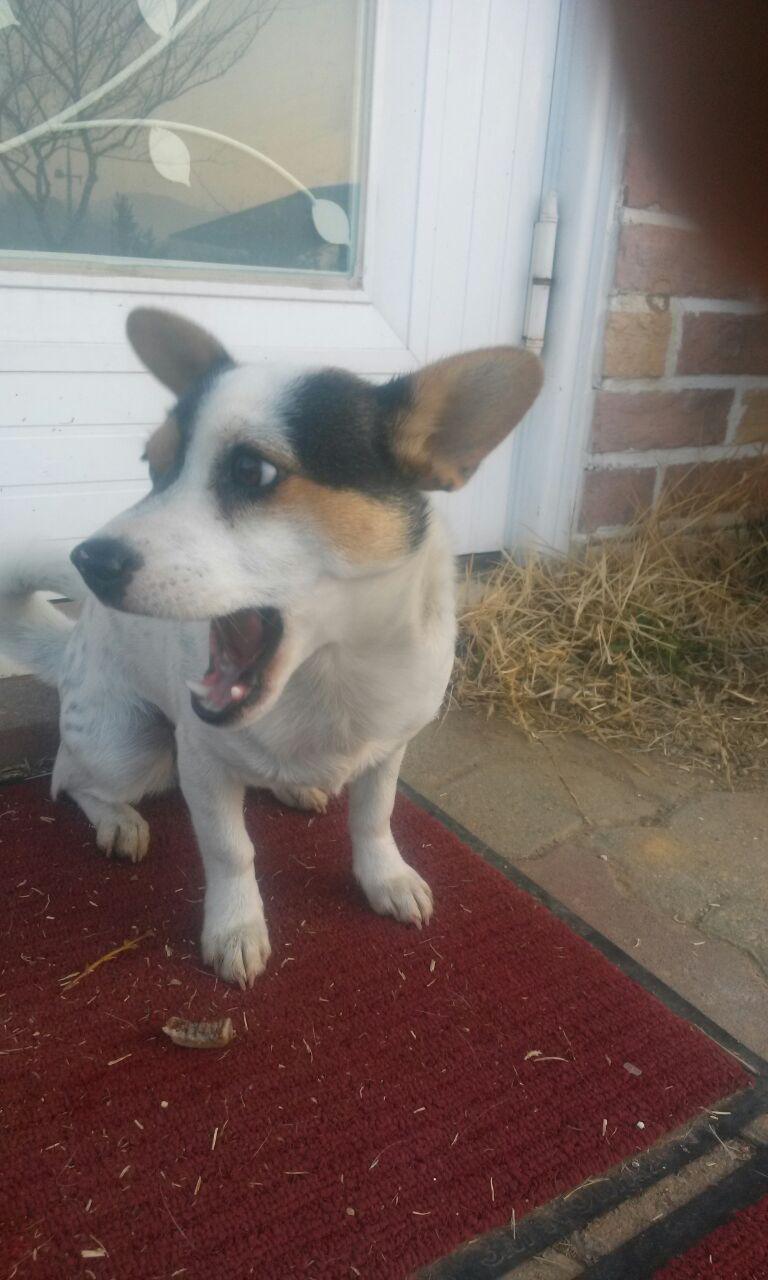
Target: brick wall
x: 683, y: 394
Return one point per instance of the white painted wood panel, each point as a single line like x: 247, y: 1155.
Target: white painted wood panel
x: 66, y: 512
x: 45, y: 399
x: 584, y: 164
x: 54, y: 309
x: 53, y: 455
x: 498, y: 136
x: 117, y: 357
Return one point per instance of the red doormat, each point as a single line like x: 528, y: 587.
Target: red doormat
x: 389, y: 1093
x: 736, y: 1251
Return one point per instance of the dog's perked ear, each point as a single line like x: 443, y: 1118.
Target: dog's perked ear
x: 442, y: 421
x: 175, y: 350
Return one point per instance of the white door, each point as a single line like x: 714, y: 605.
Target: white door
x: 326, y: 182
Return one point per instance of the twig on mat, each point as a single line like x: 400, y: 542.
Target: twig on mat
x: 71, y: 979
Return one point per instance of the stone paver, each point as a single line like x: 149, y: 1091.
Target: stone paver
x: 707, y: 865
x: 663, y: 861
x: 522, y: 796
x: 29, y: 721
x: 716, y: 978
x: 513, y: 799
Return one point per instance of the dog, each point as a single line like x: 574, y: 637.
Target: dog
x: 278, y: 612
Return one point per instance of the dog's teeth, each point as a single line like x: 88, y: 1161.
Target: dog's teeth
x: 237, y: 692
x: 197, y: 688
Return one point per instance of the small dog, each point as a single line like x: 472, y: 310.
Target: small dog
x: 278, y: 612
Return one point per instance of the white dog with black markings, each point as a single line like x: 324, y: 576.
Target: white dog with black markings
x: 278, y: 612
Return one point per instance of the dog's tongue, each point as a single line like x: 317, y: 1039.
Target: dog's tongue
x: 235, y: 643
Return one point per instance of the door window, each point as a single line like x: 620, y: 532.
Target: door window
x: 178, y: 132
x: 422, y: 123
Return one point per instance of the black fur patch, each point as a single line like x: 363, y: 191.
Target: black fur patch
x: 185, y: 415
x: 340, y: 429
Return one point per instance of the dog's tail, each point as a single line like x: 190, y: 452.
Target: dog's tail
x: 32, y: 632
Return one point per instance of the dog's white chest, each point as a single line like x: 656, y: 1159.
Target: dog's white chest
x: 340, y: 713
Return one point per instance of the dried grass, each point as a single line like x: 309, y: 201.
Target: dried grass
x: 659, y: 639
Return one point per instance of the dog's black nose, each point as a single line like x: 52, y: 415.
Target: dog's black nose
x: 107, y: 565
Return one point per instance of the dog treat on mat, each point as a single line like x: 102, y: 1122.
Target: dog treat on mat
x: 200, y: 1035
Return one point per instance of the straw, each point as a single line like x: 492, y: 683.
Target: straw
x: 658, y: 639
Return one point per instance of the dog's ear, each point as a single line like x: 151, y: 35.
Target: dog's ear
x: 175, y: 350
x: 442, y: 421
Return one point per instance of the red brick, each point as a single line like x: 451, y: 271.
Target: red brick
x: 636, y: 344
x: 645, y: 186
x: 659, y: 419
x: 732, y: 486
x: 615, y: 497
x: 655, y: 259
x: 718, y: 342
x: 753, y: 427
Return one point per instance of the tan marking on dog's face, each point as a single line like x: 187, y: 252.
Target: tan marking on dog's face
x: 463, y: 407
x: 362, y: 529
x: 162, y: 447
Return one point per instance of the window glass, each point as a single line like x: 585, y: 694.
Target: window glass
x: 219, y: 132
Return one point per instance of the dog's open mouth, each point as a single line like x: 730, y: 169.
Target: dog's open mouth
x: 242, y: 648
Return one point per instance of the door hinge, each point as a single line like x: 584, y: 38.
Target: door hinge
x: 540, y: 275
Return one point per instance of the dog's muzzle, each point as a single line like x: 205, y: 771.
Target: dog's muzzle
x: 107, y: 566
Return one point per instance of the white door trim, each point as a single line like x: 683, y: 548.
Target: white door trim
x: 583, y: 164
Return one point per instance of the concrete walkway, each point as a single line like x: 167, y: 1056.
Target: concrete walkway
x: 664, y: 862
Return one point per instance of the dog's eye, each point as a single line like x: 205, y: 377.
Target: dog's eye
x: 250, y: 471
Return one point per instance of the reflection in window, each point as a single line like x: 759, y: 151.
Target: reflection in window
x: 183, y: 131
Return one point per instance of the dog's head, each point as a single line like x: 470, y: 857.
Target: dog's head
x: 267, y: 481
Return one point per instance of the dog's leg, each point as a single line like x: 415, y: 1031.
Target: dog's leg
x: 235, y: 940
x: 104, y: 775
x: 120, y: 829
x: 390, y: 885
x: 300, y: 797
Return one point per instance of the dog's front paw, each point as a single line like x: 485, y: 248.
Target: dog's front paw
x: 238, y: 954
x: 311, y: 798
x: 402, y: 894
x: 123, y: 832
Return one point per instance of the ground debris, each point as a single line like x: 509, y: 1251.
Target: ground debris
x: 71, y: 979
x: 200, y: 1035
